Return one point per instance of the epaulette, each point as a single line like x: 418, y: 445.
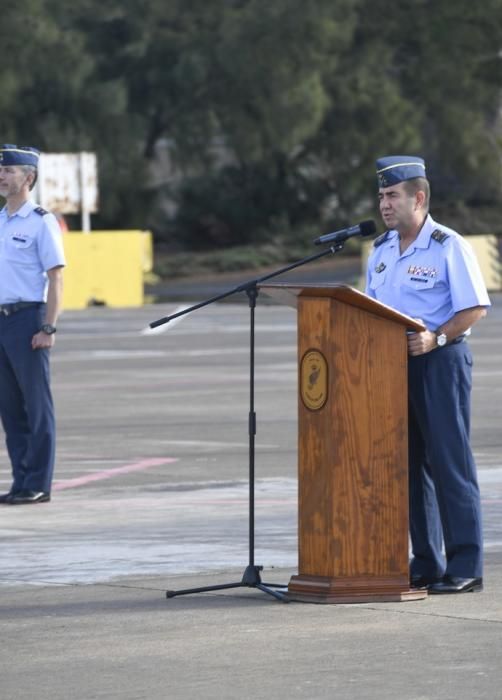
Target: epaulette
x: 381, y: 239
x: 41, y: 211
x: 439, y: 236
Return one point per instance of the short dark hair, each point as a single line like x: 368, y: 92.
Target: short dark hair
x: 419, y: 184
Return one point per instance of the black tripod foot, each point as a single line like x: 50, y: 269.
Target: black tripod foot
x: 275, y: 594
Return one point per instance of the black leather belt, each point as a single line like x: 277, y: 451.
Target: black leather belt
x: 8, y: 309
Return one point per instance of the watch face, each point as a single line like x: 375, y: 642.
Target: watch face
x: 441, y: 340
x: 48, y: 329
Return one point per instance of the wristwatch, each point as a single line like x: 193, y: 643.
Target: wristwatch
x: 441, y: 339
x: 48, y: 329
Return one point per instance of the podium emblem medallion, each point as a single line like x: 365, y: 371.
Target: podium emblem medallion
x: 314, y: 380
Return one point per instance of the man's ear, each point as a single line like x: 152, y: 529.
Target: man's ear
x: 33, y: 178
x: 420, y: 199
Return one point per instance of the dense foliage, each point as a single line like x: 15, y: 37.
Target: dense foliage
x: 223, y: 122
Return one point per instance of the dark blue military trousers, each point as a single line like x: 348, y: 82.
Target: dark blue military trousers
x: 445, y: 504
x: 26, y: 407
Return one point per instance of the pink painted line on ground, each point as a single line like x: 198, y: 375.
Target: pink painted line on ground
x: 110, y: 473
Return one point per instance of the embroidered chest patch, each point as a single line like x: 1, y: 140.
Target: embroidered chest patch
x: 380, y: 267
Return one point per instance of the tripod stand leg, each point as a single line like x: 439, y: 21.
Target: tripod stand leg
x: 279, y: 596
x: 203, y: 589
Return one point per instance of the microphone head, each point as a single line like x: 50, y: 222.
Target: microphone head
x: 367, y: 228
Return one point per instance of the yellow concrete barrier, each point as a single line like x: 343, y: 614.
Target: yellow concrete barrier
x: 487, y: 252
x: 486, y: 248
x: 106, y: 267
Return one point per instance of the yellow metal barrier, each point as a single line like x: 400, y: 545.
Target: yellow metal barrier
x: 106, y: 267
x: 487, y: 252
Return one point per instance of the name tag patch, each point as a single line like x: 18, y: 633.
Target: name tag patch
x: 20, y: 240
x: 419, y: 279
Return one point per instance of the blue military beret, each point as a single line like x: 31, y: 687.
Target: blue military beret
x: 10, y: 154
x: 394, y: 169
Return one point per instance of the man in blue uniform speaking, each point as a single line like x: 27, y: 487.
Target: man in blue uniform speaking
x: 429, y: 272
x: 31, y: 265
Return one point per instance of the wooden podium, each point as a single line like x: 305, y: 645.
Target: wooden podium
x: 353, y: 446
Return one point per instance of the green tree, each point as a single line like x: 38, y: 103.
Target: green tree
x: 245, y: 75
x: 271, y: 113
x: 452, y: 69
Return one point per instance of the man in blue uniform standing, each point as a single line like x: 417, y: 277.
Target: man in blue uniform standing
x: 429, y: 272
x: 31, y: 265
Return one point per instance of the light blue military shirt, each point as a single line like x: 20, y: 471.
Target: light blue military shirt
x: 436, y: 277
x: 30, y: 244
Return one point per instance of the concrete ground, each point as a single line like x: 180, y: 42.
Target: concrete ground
x: 151, y: 493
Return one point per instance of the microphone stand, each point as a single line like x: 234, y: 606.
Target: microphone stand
x: 251, y: 577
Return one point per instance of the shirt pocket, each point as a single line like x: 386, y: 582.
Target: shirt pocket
x: 417, y: 283
x: 377, y: 279
x: 20, y: 240
x: 21, y: 248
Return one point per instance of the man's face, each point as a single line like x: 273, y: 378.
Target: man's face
x: 13, y: 180
x: 397, y: 207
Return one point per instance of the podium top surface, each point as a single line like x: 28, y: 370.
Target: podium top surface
x: 288, y: 294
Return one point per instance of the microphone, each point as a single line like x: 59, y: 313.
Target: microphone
x: 365, y: 228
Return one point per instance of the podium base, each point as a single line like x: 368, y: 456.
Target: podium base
x: 323, y: 589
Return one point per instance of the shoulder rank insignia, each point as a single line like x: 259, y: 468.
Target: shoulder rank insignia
x: 439, y: 236
x: 380, y: 267
x: 381, y: 239
x: 41, y: 211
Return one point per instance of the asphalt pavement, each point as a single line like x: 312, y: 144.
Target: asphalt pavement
x: 151, y: 493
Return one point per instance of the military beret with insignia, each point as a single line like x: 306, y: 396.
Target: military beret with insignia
x: 394, y: 169
x: 10, y: 154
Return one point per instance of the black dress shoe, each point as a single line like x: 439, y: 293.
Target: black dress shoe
x: 7, y: 497
x: 419, y: 581
x: 456, y: 584
x: 22, y: 497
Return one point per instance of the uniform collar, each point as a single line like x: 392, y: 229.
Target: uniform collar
x: 424, y: 237
x: 392, y: 237
x: 23, y: 211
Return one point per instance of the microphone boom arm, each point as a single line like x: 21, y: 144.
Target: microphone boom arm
x: 246, y: 286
